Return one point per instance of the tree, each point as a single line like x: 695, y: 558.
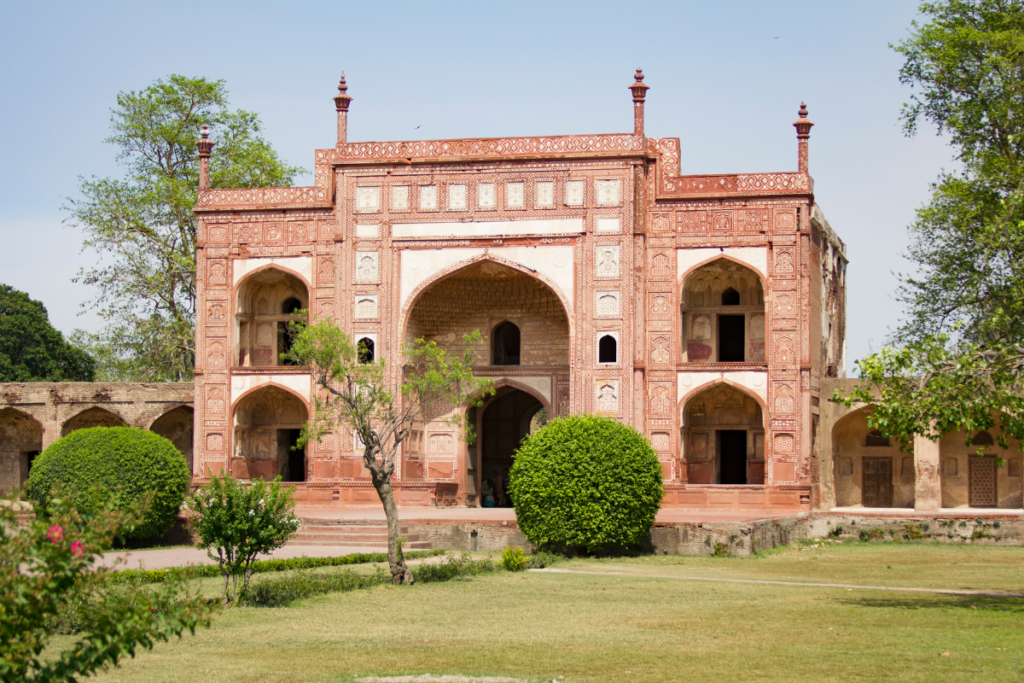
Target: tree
x: 48, y: 565
x: 239, y: 522
x: 31, y: 350
x: 143, y: 227
x: 356, y: 393
x: 956, y: 363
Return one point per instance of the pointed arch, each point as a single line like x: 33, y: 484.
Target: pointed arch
x: 92, y: 417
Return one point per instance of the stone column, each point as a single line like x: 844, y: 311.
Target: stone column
x: 927, y: 480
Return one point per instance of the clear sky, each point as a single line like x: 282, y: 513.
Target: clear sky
x: 726, y: 78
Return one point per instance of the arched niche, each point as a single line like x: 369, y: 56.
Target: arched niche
x: 723, y: 314
x: 21, y: 439
x: 723, y: 437
x: 176, y: 426
x: 972, y: 476
x: 93, y: 417
x: 868, y: 468
x: 480, y: 297
x: 267, y: 424
x: 266, y: 301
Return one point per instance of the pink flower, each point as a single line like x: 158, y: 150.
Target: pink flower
x: 76, y: 548
x: 55, y: 533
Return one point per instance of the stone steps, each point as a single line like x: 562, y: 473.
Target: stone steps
x: 359, y: 533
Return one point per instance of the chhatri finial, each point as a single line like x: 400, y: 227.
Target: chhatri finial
x: 205, y: 146
x: 342, y: 99
x: 639, y: 88
x: 803, y: 134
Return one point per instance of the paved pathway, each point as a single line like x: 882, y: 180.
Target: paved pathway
x: 770, y: 582
x: 179, y: 557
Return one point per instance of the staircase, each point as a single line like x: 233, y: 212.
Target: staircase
x: 371, y: 534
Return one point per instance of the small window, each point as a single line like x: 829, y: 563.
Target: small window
x: 506, y: 344
x: 365, y: 351
x: 982, y: 439
x: 875, y: 439
x: 730, y: 297
x: 607, y: 350
x: 290, y: 306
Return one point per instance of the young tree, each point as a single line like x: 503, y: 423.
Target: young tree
x: 356, y: 393
x: 31, y: 350
x: 957, y: 360
x: 239, y: 522
x: 143, y: 227
x: 49, y: 564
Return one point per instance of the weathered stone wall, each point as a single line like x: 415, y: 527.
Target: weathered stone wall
x: 35, y: 414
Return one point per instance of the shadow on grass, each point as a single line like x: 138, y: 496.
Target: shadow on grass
x: 978, y: 603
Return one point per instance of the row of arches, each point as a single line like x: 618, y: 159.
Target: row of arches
x: 870, y: 470
x: 21, y: 436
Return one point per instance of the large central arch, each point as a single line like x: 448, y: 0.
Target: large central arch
x: 723, y: 436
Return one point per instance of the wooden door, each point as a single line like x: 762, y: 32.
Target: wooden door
x: 982, y: 482
x: 876, y: 491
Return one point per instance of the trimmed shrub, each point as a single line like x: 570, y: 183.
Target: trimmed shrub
x: 514, y: 559
x: 586, y: 482
x: 123, y: 463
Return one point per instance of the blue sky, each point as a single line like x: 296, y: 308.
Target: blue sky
x: 726, y: 78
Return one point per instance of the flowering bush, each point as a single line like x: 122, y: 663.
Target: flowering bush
x: 47, y: 566
x: 235, y: 522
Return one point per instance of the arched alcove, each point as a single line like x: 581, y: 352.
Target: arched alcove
x: 607, y: 349
x: 723, y: 314
x: 267, y: 300
x: 21, y: 439
x: 176, y: 426
x: 972, y: 475
x: 267, y: 424
x: 506, y: 344
x: 482, y: 297
x: 93, y: 417
x: 868, y: 467
x: 723, y: 437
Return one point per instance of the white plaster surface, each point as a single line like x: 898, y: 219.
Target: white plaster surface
x: 303, y: 265
x: 300, y: 384
x: 542, y: 385
x: 488, y: 228
x: 755, y: 257
x: 553, y: 262
x: 754, y: 381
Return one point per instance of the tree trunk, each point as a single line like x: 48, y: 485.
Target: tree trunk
x: 400, y: 573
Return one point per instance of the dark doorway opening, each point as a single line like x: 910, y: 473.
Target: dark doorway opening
x: 365, y: 351
x: 505, y: 421
x: 506, y: 344
x: 730, y: 297
x: 876, y: 488
x: 289, y: 439
x: 732, y: 456
x: 31, y: 457
x: 730, y: 338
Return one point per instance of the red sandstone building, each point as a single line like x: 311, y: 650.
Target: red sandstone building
x: 703, y: 310
x: 707, y: 311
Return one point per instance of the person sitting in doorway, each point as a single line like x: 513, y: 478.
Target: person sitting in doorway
x: 487, y: 493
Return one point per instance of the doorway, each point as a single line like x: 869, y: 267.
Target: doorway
x: 981, y: 472
x: 732, y: 451
x: 730, y: 338
x: 288, y: 439
x: 503, y: 424
x: 876, y: 489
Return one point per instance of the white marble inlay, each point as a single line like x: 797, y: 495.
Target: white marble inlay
x: 488, y: 228
x: 457, y: 198
x: 607, y: 225
x: 368, y: 230
x: 607, y: 303
x: 367, y: 199
x: 575, y: 192
x: 545, y: 193
x: 514, y: 195
x: 366, y: 306
x: 366, y: 266
x: 428, y: 197
x: 400, y: 198
x: 607, y: 260
x: 485, y: 196
x: 607, y: 192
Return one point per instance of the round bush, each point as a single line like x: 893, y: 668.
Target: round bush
x: 586, y: 482
x: 123, y: 462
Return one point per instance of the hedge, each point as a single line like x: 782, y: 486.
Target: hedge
x: 124, y: 463
x: 587, y: 483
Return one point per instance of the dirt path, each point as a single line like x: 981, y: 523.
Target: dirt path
x: 804, y: 584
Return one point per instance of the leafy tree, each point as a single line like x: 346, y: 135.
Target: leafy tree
x: 357, y: 394
x: 31, y: 350
x: 236, y: 522
x: 48, y: 565
x: 957, y: 360
x: 143, y: 227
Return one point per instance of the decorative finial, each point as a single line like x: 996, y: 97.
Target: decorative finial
x: 342, y: 99
x: 205, y: 144
x: 803, y: 124
x: 639, y: 88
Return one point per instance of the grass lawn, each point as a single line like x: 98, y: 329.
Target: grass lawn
x: 539, y: 626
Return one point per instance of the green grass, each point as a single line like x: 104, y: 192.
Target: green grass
x: 540, y: 626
